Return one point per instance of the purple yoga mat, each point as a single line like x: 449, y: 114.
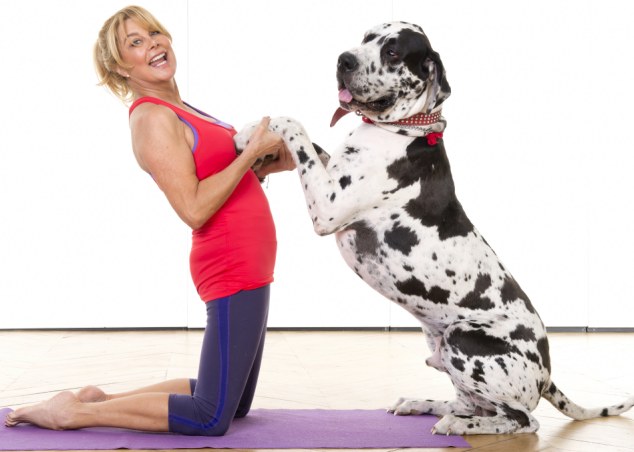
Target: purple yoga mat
x: 261, y: 429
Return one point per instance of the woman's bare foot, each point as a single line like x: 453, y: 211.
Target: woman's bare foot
x: 90, y: 394
x: 54, y: 414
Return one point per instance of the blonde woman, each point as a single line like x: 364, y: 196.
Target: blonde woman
x: 191, y: 157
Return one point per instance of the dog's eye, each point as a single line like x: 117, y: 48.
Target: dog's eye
x: 392, y: 55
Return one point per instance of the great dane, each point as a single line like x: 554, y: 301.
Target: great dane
x: 388, y: 196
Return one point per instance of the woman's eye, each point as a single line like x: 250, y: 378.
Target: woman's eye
x: 152, y: 33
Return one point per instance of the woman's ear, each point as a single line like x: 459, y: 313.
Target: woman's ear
x: 122, y: 72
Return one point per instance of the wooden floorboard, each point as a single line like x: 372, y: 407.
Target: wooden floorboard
x: 334, y: 370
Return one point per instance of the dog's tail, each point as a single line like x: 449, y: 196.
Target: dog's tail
x: 559, y: 400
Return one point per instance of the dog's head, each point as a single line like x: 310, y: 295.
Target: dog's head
x: 392, y: 75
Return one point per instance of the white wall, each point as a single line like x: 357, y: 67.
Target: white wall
x: 539, y: 139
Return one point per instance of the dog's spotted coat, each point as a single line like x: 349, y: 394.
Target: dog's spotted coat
x: 388, y: 196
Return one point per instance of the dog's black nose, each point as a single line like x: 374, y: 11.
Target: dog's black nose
x: 347, y: 62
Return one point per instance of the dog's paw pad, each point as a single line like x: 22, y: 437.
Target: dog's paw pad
x: 451, y: 425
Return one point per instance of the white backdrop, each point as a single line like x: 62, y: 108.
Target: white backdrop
x: 539, y: 136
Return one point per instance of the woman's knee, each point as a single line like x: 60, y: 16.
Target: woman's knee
x: 215, y: 430
x: 242, y: 412
x: 195, y: 416
x: 198, y: 428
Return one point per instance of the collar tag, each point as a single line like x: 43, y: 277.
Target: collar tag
x: 433, y: 137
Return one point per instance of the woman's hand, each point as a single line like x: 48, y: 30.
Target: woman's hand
x: 263, y: 142
x: 283, y: 162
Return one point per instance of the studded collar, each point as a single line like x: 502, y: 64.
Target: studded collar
x: 419, y: 119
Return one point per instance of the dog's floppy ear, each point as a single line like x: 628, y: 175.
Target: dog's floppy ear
x: 426, y: 64
x: 438, y: 86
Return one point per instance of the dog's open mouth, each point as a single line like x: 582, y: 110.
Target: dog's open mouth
x: 381, y: 104
x: 348, y: 101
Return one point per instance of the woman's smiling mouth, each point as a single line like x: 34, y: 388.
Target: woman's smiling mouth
x: 159, y: 60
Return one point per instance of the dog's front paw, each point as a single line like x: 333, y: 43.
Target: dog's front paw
x: 285, y: 126
x: 241, y: 139
x: 451, y: 425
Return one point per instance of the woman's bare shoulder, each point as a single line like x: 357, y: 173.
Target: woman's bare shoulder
x: 158, y: 139
x: 149, y: 116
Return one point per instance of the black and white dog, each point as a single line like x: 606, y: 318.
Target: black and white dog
x: 389, y: 197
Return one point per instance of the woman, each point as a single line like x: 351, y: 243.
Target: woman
x: 191, y: 157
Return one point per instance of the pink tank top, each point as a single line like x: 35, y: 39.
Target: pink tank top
x: 235, y: 249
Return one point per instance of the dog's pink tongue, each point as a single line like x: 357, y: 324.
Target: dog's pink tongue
x: 345, y: 96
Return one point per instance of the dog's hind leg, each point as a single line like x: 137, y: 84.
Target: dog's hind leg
x: 470, y: 415
x: 404, y: 406
x: 463, y: 405
x: 511, y: 420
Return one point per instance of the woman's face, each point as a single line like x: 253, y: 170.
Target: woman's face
x: 148, y: 52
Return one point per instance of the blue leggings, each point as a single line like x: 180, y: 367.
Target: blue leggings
x: 229, y: 366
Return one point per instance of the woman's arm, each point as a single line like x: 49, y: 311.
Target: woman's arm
x: 161, y: 148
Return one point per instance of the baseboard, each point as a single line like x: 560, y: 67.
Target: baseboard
x: 567, y: 329
x: 587, y: 329
x: 550, y: 329
x: 344, y: 328
x: 591, y: 329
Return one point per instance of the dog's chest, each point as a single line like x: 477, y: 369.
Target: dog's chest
x: 362, y: 164
x: 368, y: 144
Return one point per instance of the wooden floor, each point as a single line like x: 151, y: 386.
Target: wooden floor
x: 336, y: 370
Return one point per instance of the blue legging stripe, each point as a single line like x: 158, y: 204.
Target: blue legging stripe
x: 223, y: 340
x: 223, y: 345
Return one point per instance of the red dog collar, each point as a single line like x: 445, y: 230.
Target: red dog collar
x: 420, y: 119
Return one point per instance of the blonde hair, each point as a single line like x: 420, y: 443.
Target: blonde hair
x: 107, y: 52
